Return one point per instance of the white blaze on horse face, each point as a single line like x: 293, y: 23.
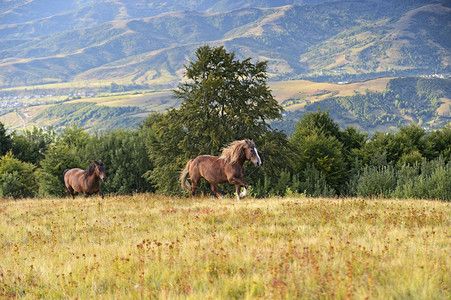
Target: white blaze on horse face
x: 259, y: 163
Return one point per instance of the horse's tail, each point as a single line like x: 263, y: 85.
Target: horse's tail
x: 64, y: 173
x: 184, y: 176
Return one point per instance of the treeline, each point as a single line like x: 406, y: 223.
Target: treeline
x: 33, y: 161
x: 224, y: 100
x: 319, y: 160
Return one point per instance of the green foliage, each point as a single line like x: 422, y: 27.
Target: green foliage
x: 17, y: 179
x: 438, y: 143
x: 91, y: 116
x: 377, y: 181
x: 411, y: 158
x: 57, y: 159
x: 223, y: 100
x: 316, y: 122
x: 314, y: 183
x: 427, y: 180
x: 31, y: 145
x: 5, y: 140
x: 163, y: 150
x: 315, y: 142
x: 124, y: 155
x: 74, y: 137
x: 403, y: 100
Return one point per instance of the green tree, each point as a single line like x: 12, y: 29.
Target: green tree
x: 380, y: 149
x: 223, y: 99
x: 17, y: 178
x: 353, y: 142
x: 393, y: 146
x: 324, y: 153
x: 74, y: 137
x: 31, y: 145
x: 163, y: 141
x: 125, y: 157
x: 317, y: 122
x: 438, y: 143
x: 317, y: 144
x: 5, y: 140
x: 409, y: 139
x: 57, y: 159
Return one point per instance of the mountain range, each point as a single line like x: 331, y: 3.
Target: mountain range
x: 147, y: 42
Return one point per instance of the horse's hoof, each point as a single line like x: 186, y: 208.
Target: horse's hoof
x: 243, y: 193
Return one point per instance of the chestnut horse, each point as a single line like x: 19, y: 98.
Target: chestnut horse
x: 221, y: 169
x: 85, y: 181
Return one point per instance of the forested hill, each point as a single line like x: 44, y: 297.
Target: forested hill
x: 423, y: 101
x: 142, y: 42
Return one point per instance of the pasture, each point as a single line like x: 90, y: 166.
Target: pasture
x: 153, y: 246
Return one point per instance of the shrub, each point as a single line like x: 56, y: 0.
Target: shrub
x: 314, y: 183
x: 377, y: 181
x: 430, y: 180
x: 17, y: 178
x: 57, y: 159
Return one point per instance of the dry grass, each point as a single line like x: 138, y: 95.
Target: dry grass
x: 304, y: 90
x: 150, y: 246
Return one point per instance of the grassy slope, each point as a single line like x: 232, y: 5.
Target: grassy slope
x: 304, y: 90
x: 156, y: 246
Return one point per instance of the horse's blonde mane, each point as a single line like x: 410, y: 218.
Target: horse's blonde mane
x: 232, y: 152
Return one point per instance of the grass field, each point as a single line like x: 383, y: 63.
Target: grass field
x: 151, y: 246
x: 304, y: 90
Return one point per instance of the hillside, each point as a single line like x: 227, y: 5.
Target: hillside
x: 380, y: 104
x: 377, y: 105
x: 130, y: 42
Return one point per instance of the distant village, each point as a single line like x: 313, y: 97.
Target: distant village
x: 443, y: 76
x: 19, y: 100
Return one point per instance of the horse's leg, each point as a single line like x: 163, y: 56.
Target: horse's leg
x: 239, y: 183
x: 214, y: 188
x: 100, y: 193
x: 67, y: 191
x: 237, y: 193
x: 194, y: 183
x: 71, y: 192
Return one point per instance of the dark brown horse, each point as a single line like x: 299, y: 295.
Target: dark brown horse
x: 221, y: 169
x: 85, y: 181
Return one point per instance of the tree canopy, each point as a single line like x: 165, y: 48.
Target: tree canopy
x: 223, y: 99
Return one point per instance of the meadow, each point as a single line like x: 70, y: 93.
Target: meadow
x: 152, y: 246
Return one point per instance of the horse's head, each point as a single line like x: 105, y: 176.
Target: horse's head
x: 100, y: 170
x: 251, y: 153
